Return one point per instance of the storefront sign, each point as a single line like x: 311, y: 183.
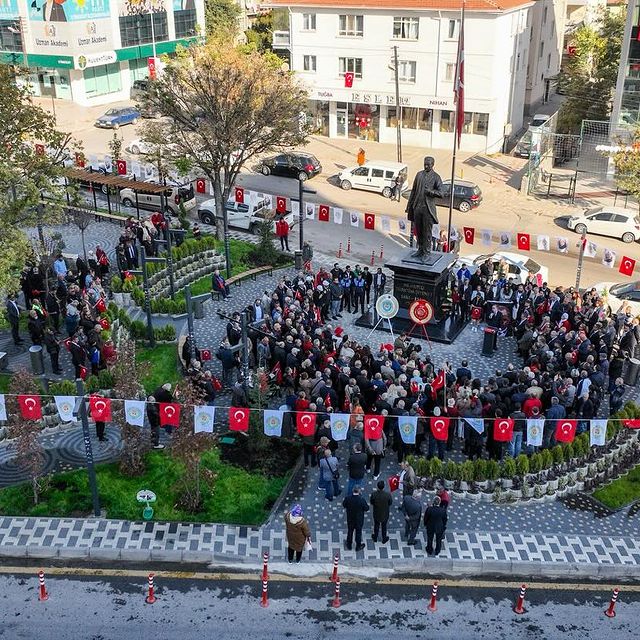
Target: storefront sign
x: 68, y: 10
x: 79, y: 38
x: 379, y: 98
x: 94, y: 59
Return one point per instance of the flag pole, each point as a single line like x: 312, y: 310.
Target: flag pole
x: 458, y: 91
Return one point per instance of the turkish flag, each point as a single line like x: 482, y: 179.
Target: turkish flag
x: 205, y: 355
x: 369, y: 221
x: 503, y: 429
x: 281, y: 204
x: 373, y: 427
x: 469, y: 234
x: 524, y: 242
x: 201, y: 185
x: 169, y: 413
x: 238, y: 419
x: 437, y: 383
x: 121, y: 166
x: 394, y: 483
x: 440, y: 428
x: 104, y: 323
x: 306, y: 423
x: 30, y: 407
x: 79, y: 160
x: 101, y: 305
x: 348, y: 80
x: 83, y: 373
x: 566, y: 430
x: 239, y: 192
x: 40, y: 149
x: 323, y: 213
x: 634, y: 423
x: 100, y: 408
x: 627, y: 265
x: 151, y: 66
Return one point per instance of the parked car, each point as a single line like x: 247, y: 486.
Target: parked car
x: 615, y: 222
x: 117, y: 117
x: 299, y: 165
x: 240, y: 215
x: 519, y: 266
x: 616, y: 295
x: 378, y: 176
x: 173, y: 197
x: 137, y: 146
x: 538, y: 120
x: 466, y: 195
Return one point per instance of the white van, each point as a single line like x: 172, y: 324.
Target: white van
x: 374, y: 176
x: 173, y: 197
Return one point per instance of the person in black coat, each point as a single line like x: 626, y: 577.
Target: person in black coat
x: 435, y: 522
x: 356, y: 506
x: 412, y: 508
x: 381, y: 501
x: 13, y: 315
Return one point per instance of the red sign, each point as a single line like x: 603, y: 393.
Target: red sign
x: 30, y: 407
x: 239, y: 195
x: 201, y: 185
x: 205, y: 355
x: 151, y: 65
x: 503, y: 429
x: 524, y: 242
x: 323, y: 213
x: 469, y: 234
x: 40, y: 149
x: 238, y: 419
x: 627, y: 265
x: 100, y: 408
x: 121, y: 166
x: 306, y: 423
x: 169, y: 414
x: 369, y: 221
x: 373, y: 427
x: 566, y: 430
x: 281, y: 204
x: 440, y: 428
x: 348, y: 80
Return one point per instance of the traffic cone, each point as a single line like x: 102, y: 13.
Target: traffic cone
x: 373, y: 257
x: 336, y: 596
x: 348, y: 244
x: 340, y: 250
x: 265, y: 563
x: 610, y: 612
x: 334, y: 575
x: 264, y: 601
x: 151, y: 598
x: 519, y: 608
x: 381, y: 251
x: 434, y: 596
x: 43, y: 595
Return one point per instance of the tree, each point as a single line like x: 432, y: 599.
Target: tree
x: 589, y: 77
x: 26, y: 172
x: 82, y: 219
x: 221, y: 16
x: 223, y: 106
x: 626, y: 161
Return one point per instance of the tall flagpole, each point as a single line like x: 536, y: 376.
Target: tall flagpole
x: 459, y: 96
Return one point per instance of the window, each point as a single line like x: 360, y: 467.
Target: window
x: 308, y: 21
x: 406, y: 70
x: 352, y: 65
x: 10, y: 36
x: 405, y: 28
x: 101, y: 80
x: 480, y: 124
x: 309, y: 63
x: 377, y: 173
x: 135, y: 30
x: 452, y: 29
x: 544, y: 16
x: 541, y: 52
x: 548, y: 61
x: 447, y: 121
x: 350, y: 25
x: 467, y: 127
x: 185, y: 22
x: 360, y: 171
x: 425, y: 119
x: 138, y: 70
x: 449, y: 71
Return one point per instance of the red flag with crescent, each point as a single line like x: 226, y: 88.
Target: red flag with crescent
x: 524, y: 242
x: 30, y: 407
x: 437, y: 383
x: 469, y: 234
x: 239, y: 194
x: 100, y: 408
x: 323, y: 213
x: 373, y: 427
x: 394, y: 483
x: 369, y: 221
x: 121, y: 166
x: 238, y: 419
x: 201, y: 185
x: 306, y: 423
x: 503, y: 429
x: 281, y: 204
x: 627, y: 265
x: 169, y: 414
x: 348, y: 79
x: 440, y: 428
x: 566, y: 430
x: 633, y: 423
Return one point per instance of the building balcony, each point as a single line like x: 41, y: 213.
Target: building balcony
x: 281, y: 40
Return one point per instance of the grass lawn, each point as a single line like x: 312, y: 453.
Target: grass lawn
x: 164, y: 365
x: 620, y: 492
x: 234, y: 497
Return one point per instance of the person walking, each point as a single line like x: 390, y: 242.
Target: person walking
x: 381, y: 502
x: 329, y: 475
x: 53, y: 348
x: 153, y: 414
x: 355, y: 506
x: 412, y: 508
x: 407, y: 481
x: 13, y: 315
x: 375, y: 452
x: 397, y: 188
x: 435, y: 522
x: 298, y: 533
x: 357, y: 465
x: 361, y: 157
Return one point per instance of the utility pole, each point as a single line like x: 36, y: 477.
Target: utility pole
x: 583, y: 244
x: 88, y: 450
x: 398, y: 107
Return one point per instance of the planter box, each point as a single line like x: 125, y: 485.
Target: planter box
x: 118, y: 299
x: 484, y: 484
x: 561, y: 493
x: 553, y: 484
x: 448, y: 484
x: 475, y: 497
x: 507, y: 483
x: 486, y: 496
x: 126, y: 299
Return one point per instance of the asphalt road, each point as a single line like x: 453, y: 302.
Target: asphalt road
x: 113, y: 607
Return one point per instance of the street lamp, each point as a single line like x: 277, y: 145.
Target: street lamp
x: 301, y: 192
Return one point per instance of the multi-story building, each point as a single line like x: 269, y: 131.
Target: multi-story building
x: 546, y: 22
x: 330, y: 38
x: 626, y: 103
x: 92, y: 51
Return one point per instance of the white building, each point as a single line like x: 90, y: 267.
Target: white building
x: 92, y: 51
x: 546, y: 42
x: 328, y: 38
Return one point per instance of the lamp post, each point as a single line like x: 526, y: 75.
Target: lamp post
x: 301, y: 192
x: 81, y: 408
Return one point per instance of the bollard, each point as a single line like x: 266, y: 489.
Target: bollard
x: 265, y: 562
x: 610, y: 612
x: 373, y: 257
x: 340, y: 250
x: 519, y: 608
x: 336, y: 596
x: 43, y: 590
x: 151, y: 598
x: 434, y: 596
x: 264, y: 601
x: 381, y: 251
x: 348, y: 244
x: 334, y: 575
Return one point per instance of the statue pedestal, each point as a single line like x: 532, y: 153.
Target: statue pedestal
x: 413, y: 279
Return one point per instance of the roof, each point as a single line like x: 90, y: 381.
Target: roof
x: 97, y: 177
x: 417, y: 5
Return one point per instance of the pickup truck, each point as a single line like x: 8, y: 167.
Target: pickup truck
x: 244, y: 216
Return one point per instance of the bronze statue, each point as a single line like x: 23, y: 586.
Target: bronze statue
x: 421, y: 208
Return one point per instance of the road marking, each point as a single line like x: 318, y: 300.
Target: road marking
x: 463, y: 583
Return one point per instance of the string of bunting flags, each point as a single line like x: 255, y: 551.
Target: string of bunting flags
x: 204, y: 418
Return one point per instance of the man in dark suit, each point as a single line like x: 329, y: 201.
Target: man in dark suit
x: 379, y: 282
x: 412, y: 508
x: 381, y: 502
x: 463, y: 372
x: 13, y: 315
x: 435, y: 522
x: 355, y: 506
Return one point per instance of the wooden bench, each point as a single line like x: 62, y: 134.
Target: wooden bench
x: 251, y: 273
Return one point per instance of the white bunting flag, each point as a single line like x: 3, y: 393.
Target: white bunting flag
x: 402, y: 226
x: 535, y: 431
x: 108, y: 163
x: 295, y: 208
x: 477, y: 424
x: 65, y: 406
x: 268, y: 198
x: 134, y: 412
x: 337, y: 215
x: 310, y: 210
x: 385, y: 222
x: 609, y: 258
x: 590, y: 249
x: 543, y: 243
x: 486, y: 237
x: 408, y: 427
x: 597, y: 433
x: 3, y: 408
x: 354, y: 218
x: 273, y: 422
x: 203, y: 419
x: 562, y: 244
x: 136, y: 169
x: 339, y: 426
x: 505, y: 239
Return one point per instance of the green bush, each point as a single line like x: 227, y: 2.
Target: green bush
x: 508, y: 468
x: 466, y: 471
x: 558, y: 455
x: 493, y: 470
x: 138, y: 329
x: 581, y: 445
x: 420, y: 466
x: 435, y: 468
x: 569, y: 451
x: 535, y: 463
x: 522, y: 465
x: 480, y: 470
x: 547, y: 459
x: 166, y: 333
x: 62, y: 388
x: 116, y: 285
x: 451, y: 470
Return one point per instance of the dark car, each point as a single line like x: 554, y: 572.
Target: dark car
x: 466, y: 195
x: 118, y: 116
x: 291, y: 165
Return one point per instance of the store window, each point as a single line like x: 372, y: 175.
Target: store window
x: 480, y: 124
x: 318, y: 117
x: 411, y: 118
x: 405, y: 28
x: 353, y: 65
x: 447, y: 121
x: 364, y: 122
x: 425, y: 119
x: 138, y: 69
x: 185, y: 22
x: 99, y: 81
x: 136, y: 29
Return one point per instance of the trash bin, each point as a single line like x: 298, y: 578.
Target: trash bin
x: 489, y: 342
x: 297, y: 256
x: 37, y: 359
x: 631, y: 371
x: 198, y: 309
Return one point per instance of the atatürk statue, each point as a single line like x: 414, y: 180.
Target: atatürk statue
x: 421, y: 209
